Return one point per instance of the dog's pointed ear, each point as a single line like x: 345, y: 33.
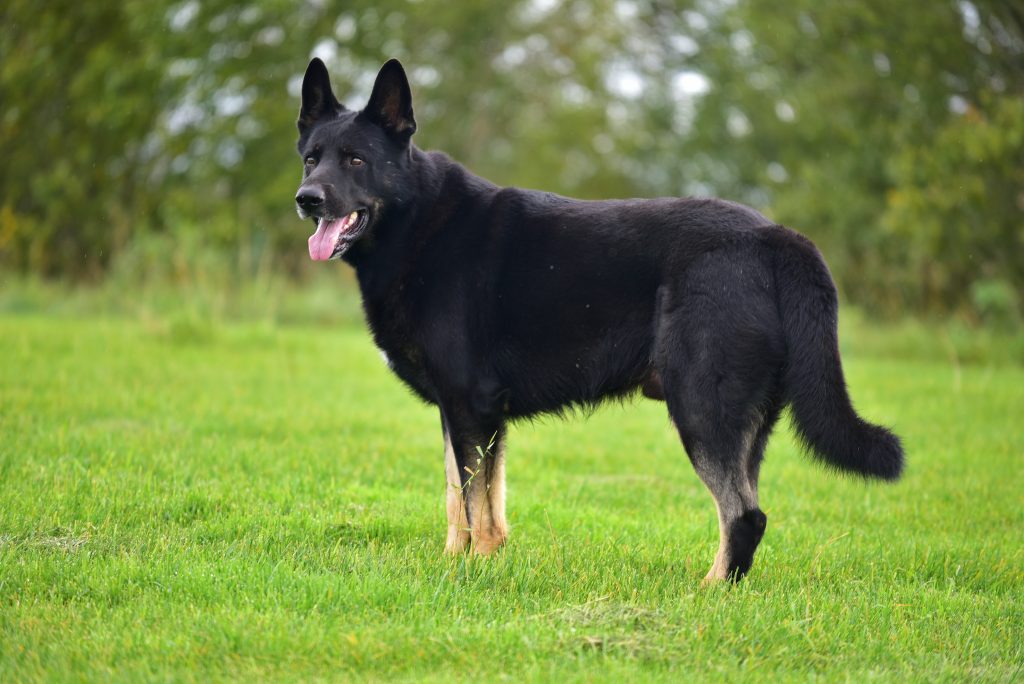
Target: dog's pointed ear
x: 318, y: 101
x: 390, y: 105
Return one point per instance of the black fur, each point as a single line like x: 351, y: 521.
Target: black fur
x: 744, y: 536
x: 501, y: 303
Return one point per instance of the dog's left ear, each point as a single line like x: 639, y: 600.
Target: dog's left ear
x: 390, y: 105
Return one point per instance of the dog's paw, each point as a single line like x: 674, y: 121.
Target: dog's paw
x: 458, y: 540
x: 486, y: 542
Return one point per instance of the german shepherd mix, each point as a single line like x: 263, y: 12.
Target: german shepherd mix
x: 497, y: 304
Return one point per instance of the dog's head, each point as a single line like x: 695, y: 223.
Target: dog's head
x: 356, y: 165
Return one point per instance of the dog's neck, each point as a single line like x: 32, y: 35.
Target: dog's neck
x: 388, y: 265
x: 447, y: 193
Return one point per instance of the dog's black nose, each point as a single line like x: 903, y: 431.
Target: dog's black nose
x: 309, y: 199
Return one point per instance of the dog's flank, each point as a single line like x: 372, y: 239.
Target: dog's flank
x: 497, y: 304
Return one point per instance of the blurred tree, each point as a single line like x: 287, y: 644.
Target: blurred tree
x: 956, y: 208
x: 80, y: 87
x: 824, y: 112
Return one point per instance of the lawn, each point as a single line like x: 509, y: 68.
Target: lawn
x: 247, y: 500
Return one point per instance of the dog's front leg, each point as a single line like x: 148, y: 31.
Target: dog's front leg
x: 455, y: 502
x: 475, y: 488
x: 486, y: 498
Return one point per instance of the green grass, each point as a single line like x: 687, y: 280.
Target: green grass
x: 187, y: 500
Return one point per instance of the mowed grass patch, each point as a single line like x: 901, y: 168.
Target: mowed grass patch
x: 248, y: 501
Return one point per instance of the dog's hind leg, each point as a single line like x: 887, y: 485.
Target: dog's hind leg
x: 756, y: 454
x: 719, y: 366
x: 475, y: 501
x: 741, y: 523
x: 726, y: 456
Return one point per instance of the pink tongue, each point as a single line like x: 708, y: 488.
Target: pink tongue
x: 321, y: 243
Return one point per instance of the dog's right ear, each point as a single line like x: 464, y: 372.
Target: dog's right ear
x: 318, y: 101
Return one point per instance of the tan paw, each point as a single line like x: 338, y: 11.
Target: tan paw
x: 486, y: 542
x: 458, y: 540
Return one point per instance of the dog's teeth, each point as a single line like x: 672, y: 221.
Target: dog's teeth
x: 353, y: 216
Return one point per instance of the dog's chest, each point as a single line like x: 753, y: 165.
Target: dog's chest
x: 403, y: 319
x: 405, y: 359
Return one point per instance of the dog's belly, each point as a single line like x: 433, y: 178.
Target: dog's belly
x: 559, y: 371
x: 574, y: 332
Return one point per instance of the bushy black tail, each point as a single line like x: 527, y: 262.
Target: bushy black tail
x: 813, y: 379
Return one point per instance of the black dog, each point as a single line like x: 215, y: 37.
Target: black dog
x: 501, y: 303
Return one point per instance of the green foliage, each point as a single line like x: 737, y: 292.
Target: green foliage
x: 957, y: 206
x: 80, y: 91
x: 260, y: 503
x: 888, y: 131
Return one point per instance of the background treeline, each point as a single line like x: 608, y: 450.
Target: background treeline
x: 135, y: 136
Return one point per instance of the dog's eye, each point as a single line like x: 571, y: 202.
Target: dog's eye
x: 310, y: 161
x: 356, y: 161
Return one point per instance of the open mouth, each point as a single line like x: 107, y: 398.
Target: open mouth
x: 334, y: 236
